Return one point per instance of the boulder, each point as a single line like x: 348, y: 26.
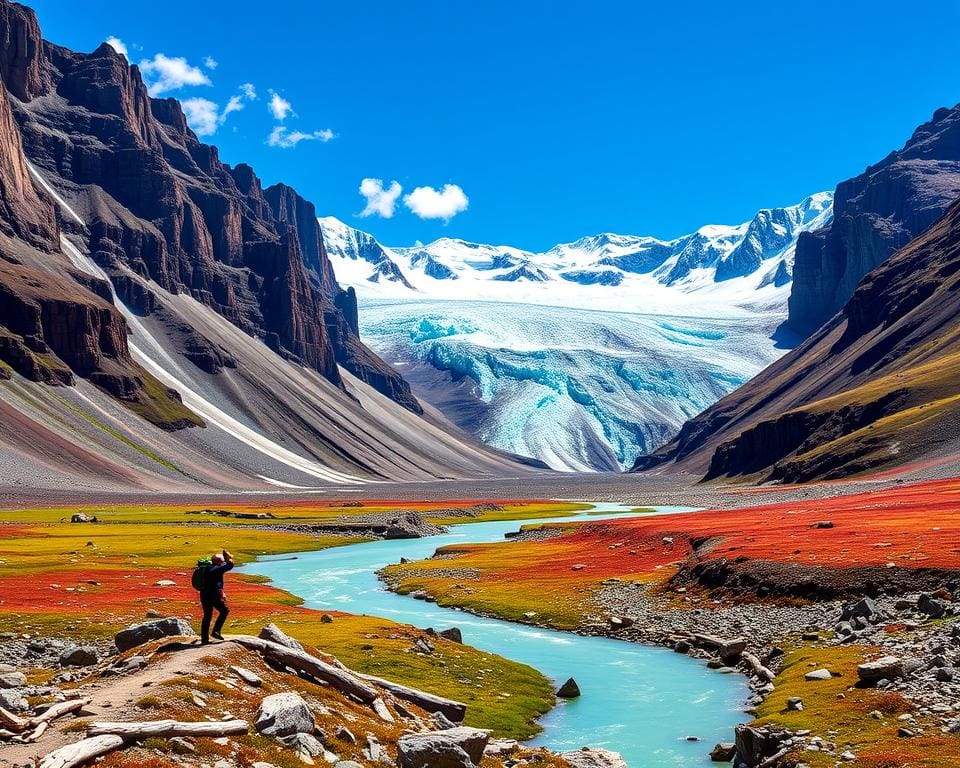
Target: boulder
x: 593, y: 757
x: 13, y: 680
x: 723, y: 752
x: 152, y: 630
x: 569, y: 690
x: 430, y: 750
x: 931, y: 606
x: 274, y: 634
x: 473, y: 741
x: 886, y: 667
x: 284, y: 714
x: 731, y: 649
x: 79, y: 656
x: 453, y: 633
x: 864, y: 607
x: 304, y: 744
x: 12, y: 701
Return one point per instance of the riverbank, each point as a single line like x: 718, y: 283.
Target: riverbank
x: 87, y: 580
x: 779, y: 576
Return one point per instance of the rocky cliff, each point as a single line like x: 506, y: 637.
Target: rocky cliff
x: 878, y: 385
x: 156, y: 201
x: 805, y: 415
x: 874, y: 214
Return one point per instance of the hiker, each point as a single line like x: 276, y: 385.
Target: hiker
x: 212, y: 596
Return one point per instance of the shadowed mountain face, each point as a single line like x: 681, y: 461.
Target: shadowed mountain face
x: 873, y: 385
x: 138, y: 272
x: 876, y: 213
x: 877, y: 385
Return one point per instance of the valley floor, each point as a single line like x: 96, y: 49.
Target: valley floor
x: 776, y: 569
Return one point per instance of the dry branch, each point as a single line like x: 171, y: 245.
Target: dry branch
x: 343, y: 680
x: 454, y: 710
x: 168, y: 728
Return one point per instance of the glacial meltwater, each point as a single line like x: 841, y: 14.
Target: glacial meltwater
x: 639, y: 700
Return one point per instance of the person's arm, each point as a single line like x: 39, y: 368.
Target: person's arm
x: 228, y: 565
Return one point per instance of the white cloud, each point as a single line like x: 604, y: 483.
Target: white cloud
x: 380, y: 202
x: 281, y: 137
x: 118, y: 45
x: 202, y: 115
x: 205, y: 116
x: 279, y: 107
x: 428, y: 203
x: 163, y: 73
x: 210, y: 63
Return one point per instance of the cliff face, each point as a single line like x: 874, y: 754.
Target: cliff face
x: 157, y: 201
x: 816, y: 412
x: 876, y: 213
x: 878, y: 385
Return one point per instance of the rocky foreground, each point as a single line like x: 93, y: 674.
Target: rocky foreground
x: 155, y: 696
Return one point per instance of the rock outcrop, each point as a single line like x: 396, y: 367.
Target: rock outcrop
x: 876, y: 384
x: 158, y: 203
x: 876, y: 213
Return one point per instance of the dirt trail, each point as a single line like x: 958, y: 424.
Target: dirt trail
x: 112, y: 698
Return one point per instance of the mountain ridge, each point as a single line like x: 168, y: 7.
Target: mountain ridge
x: 140, y: 273
x: 872, y: 386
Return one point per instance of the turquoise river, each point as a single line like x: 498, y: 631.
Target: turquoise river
x: 639, y: 700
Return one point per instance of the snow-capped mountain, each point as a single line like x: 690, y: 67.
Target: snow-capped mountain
x: 591, y: 353
x: 716, y: 267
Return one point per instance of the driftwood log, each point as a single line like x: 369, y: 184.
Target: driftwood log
x: 169, y: 728
x: 343, y: 680
x: 454, y: 710
x: 81, y: 752
x: 12, y: 722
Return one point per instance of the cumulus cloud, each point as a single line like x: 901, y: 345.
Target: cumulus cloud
x: 118, y: 45
x: 284, y: 138
x: 210, y: 63
x: 163, y: 73
x: 380, y: 202
x: 279, y: 107
x: 428, y: 203
x: 205, y: 116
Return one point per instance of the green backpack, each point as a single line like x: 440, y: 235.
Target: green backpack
x: 199, y: 578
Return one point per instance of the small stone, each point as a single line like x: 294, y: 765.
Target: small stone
x: 181, y: 746
x: 795, y: 704
x: 326, y: 619
x: 823, y: 524
x: 905, y: 733
x: 847, y: 755
x: 345, y: 734
x: 165, y: 583
x: 819, y: 674
x: 250, y: 678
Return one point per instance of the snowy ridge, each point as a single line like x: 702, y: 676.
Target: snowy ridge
x: 710, y: 272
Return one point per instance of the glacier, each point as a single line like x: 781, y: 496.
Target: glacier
x: 581, y: 390
x: 591, y: 353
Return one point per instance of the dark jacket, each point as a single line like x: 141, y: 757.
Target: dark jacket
x: 213, y: 579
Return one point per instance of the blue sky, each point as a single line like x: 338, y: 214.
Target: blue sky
x: 548, y: 120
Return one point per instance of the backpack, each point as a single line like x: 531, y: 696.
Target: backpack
x: 199, y: 578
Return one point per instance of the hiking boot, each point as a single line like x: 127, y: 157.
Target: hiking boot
x: 217, y: 636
